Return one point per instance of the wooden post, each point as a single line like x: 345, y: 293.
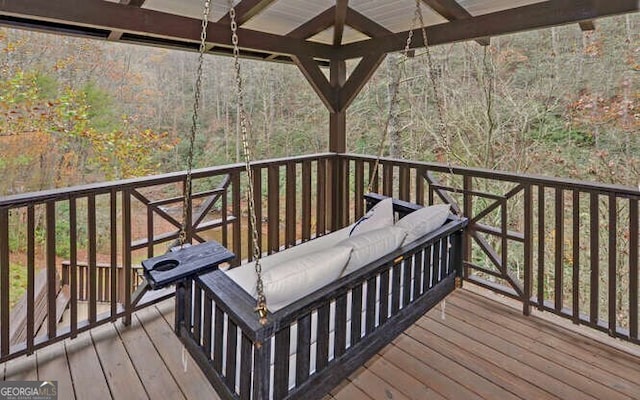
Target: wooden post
x: 337, y: 190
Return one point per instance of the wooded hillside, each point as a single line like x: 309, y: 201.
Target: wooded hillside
x: 556, y: 102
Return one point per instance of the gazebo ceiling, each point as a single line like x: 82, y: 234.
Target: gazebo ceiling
x: 281, y: 30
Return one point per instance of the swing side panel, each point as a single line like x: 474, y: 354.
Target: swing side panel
x: 310, y: 346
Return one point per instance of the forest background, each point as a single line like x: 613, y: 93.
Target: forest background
x: 558, y: 102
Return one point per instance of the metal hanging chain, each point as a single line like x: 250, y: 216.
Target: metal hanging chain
x: 373, y: 177
x: 261, y: 301
x: 182, y: 238
x: 442, y: 127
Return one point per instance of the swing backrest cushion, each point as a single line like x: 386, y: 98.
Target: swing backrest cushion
x: 370, y: 246
x: 291, y: 279
x: 423, y: 221
x: 380, y: 216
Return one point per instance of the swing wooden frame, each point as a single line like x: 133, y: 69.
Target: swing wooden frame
x: 244, y: 359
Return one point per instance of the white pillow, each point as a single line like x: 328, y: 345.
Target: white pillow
x: 370, y: 246
x: 380, y: 216
x: 293, y: 279
x: 423, y: 221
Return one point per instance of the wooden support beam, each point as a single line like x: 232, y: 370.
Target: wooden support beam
x: 116, y: 35
x: 245, y: 10
x: 587, y: 25
x: 364, y: 25
x: 318, y: 81
x: 317, y: 24
x: 533, y: 16
x: 99, y: 15
x: 452, y: 10
x: 340, y: 19
x: 358, y: 78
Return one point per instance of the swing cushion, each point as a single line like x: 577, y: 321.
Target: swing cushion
x: 370, y: 246
x: 423, y: 221
x: 291, y: 281
x: 380, y: 216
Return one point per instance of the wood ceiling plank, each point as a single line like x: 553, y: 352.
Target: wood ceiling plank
x: 247, y: 9
x: 108, y: 16
x: 533, y: 16
x: 317, y: 24
x: 340, y: 19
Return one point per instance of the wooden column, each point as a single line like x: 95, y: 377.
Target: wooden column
x: 337, y: 93
x: 337, y: 191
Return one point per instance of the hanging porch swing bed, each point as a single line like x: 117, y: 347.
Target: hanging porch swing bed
x: 312, y: 342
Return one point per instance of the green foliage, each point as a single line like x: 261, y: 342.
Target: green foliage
x: 554, y: 130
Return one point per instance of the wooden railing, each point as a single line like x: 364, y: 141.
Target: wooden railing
x: 563, y: 246
x: 560, y: 245
x: 103, y: 231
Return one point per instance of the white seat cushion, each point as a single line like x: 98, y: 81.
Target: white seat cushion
x: 380, y: 216
x: 370, y: 246
x: 423, y: 221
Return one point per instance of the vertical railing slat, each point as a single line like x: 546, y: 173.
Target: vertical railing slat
x: 217, y: 339
x: 387, y: 179
x: 559, y: 253
x: 419, y: 186
x: 231, y: 350
x: 594, y: 232
x: 613, y: 264
x: 273, y: 209
x: 303, y: 350
x: 31, y: 275
x: 321, y: 197
x: 237, y: 223
x: 404, y: 190
x: 384, y: 295
x: 245, y: 367
x: 206, y: 328
x: 290, y: 205
x: 341, y: 326
x: 281, y: 364
x: 370, y: 315
x: 4, y: 281
x: 576, y: 258
x: 356, y: 314
x: 125, y: 281
x: 541, y: 246
x: 51, y: 269
x: 93, y: 276
x: 322, y: 341
x: 528, y: 248
x: 114, y: 252
x: 633, y: 268
x: 257, y: 200
x: 359, y: 189
x: 306, y: 200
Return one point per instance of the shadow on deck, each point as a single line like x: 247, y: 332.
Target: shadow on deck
x: 482, y: 349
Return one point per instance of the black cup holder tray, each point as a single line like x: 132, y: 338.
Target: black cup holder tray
x: 191, y: 261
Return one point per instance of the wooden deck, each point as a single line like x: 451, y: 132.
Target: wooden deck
x: 482, y: 349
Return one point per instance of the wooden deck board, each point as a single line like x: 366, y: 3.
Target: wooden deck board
x: 86, y: 372
x: 121, y: 375
x: 154, y: 374
x: 191, y: 380
x: 53, y: 366
x: 481, y: 350
x: 599, y: 381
